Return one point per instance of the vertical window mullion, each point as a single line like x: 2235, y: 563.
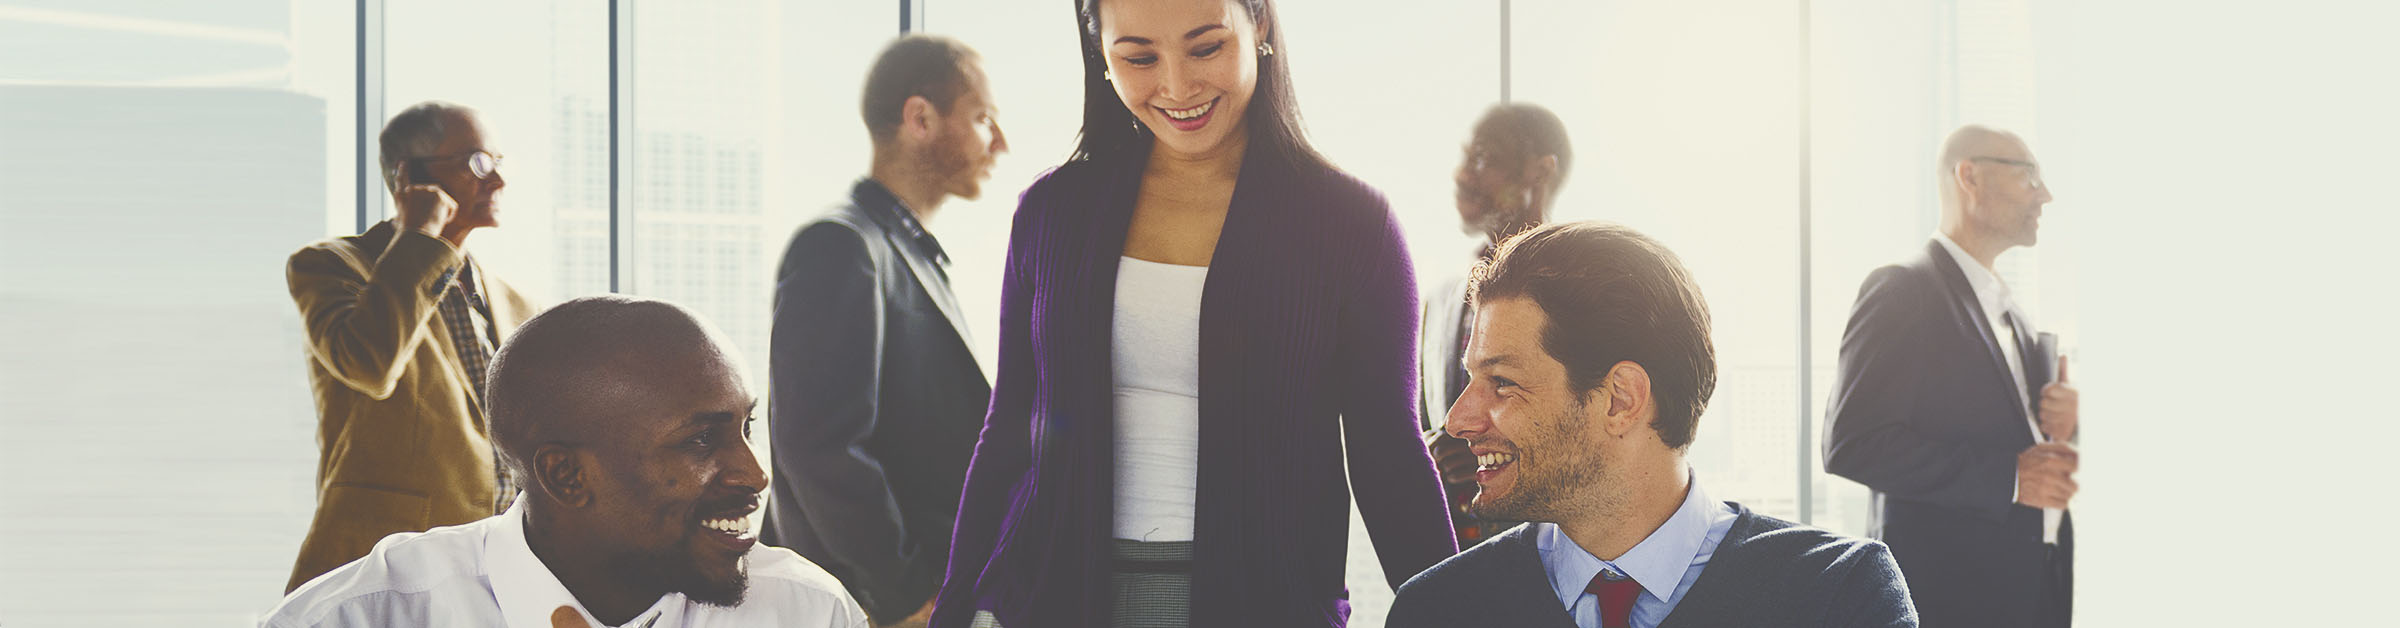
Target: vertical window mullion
x: 620, y: 145
x: 369, y: 109
x: 1807, y: 348
x: 1505, y: 43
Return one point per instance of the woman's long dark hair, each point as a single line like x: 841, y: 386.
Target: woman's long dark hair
x: 1276, y: 137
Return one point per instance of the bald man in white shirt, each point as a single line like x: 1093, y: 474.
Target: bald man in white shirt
x: 630, y: 423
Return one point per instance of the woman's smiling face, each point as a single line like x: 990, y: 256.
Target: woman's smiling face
x: 1185, y: 68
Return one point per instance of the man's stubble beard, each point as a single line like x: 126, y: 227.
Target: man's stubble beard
x: 1547, y: 492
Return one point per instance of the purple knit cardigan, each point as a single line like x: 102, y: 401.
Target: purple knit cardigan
x: 1307, y: 359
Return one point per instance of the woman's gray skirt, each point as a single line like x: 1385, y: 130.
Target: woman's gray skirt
x: 1153, y: 583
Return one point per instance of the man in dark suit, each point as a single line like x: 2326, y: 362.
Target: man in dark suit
x: 1947, y: 407
x: 1589, y: 367
x: 1514, y: 164
x: 877, y: 398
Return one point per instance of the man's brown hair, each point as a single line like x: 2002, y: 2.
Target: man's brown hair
x: 1612, y: 295
x: 932, y: 66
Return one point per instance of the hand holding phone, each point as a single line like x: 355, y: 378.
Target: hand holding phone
x: 422, y: 205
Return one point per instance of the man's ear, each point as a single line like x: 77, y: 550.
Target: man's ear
x: 559, y: 473
x: 1964, y: 173
x: 1541, y: 173
x: 1540, y: 180
x: 918, y: 118
x: 1626, y: 391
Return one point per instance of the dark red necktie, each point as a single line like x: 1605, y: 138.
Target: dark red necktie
x: 1616, y: 598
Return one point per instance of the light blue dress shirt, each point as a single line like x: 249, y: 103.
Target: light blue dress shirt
x: 1666, y: 563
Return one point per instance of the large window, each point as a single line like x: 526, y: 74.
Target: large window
x: 702, y: 77
x: 537, y: 75
x: 158, y: 162
x: 1685, y: 121
x: 744, y: 122
x: 1875, y: 125
x: 1031, y: 56
x: 1390, y: 96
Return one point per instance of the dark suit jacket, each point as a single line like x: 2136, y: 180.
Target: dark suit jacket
x: 1308, y: 364
x: 1767, y: 572
x: 1925, y: 412
x: 877, y: 400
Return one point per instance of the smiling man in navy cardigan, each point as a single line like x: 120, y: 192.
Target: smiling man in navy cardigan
x: 1588, y: 368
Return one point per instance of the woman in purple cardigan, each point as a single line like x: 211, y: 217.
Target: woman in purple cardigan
x: 1201, y: 321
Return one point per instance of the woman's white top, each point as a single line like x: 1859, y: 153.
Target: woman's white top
x: 1156, y: 362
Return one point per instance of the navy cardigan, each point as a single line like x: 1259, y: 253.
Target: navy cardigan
x: 1307, y: 359
x: 1767, y: 573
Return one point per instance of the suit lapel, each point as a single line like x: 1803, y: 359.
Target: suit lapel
x: 508, y: 309
x: 491, y: 306
x: 1962, y: 297
x: 926, y: 274
x: 873, y: 206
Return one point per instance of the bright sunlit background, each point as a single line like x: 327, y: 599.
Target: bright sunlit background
x: 2211, y: 262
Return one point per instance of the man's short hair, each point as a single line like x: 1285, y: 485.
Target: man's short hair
x: 1535, y: 131
x: 414, y: 134
x: 932, y: 66
x: 1612, y: 295
x: 551, y: 380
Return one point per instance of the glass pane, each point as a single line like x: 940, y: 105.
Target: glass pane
x: 160, y: 160
x: 1031, y: 57
x: 1875, y: 127
x: 745, y: 122
x: 537, y: 75
x: 1685, y: 121
x: 744, y: 115
x: 1391, y: 106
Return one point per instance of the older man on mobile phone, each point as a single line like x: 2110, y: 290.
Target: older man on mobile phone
x: 401, y: 323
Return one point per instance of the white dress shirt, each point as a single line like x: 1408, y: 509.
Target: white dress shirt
x: 1666, y: 563
x: 1993, y: 295
x: 484, y: 574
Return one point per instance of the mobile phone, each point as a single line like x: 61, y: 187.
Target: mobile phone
x: 415, y: 171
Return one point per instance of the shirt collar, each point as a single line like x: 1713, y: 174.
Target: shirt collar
x: 876, y: 198
x: 528, y: 592
x: 1990, y: 292
x: 1657, y: 563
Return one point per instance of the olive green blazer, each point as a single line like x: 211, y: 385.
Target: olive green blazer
x: 402, y: 444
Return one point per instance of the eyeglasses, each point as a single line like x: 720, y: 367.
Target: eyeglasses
x: 2033, y: 171
x: 482, y: 164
